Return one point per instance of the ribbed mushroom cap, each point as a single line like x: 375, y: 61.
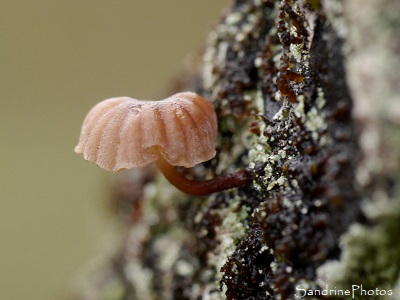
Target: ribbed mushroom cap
x: 122, y: 133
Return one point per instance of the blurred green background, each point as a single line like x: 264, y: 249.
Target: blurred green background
x: 57, y: 59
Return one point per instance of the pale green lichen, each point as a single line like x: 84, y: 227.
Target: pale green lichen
x: 159, y: 198
x: 371, y: 255
x: 184, y: 268
x: 232, y: 230
x: 315, y: 119
x: 141, y: 279
x: 298, y: 52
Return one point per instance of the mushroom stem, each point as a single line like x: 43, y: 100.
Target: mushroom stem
x: 202, y: 187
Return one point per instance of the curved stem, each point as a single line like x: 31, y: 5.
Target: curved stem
x: 202, y: 187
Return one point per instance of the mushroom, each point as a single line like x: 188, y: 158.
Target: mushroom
x: 123, y: 133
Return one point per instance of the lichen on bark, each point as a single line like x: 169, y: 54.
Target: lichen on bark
x: 278, y: 75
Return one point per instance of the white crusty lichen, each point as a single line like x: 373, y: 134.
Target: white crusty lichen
x: 314, y: 121
x: 229, y: 233
x: 315, y: 118
x: 160, y: 206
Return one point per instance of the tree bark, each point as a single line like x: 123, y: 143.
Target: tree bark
x: 307, y: 97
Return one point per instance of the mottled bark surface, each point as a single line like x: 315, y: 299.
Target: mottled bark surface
x: 310, y: 105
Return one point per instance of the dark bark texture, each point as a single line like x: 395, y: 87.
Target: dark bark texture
x: 307, y: 97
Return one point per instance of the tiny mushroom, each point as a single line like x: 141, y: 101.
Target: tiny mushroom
x: 123, y: 133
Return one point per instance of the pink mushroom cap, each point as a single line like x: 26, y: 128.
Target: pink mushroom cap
x: 123, y: 133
